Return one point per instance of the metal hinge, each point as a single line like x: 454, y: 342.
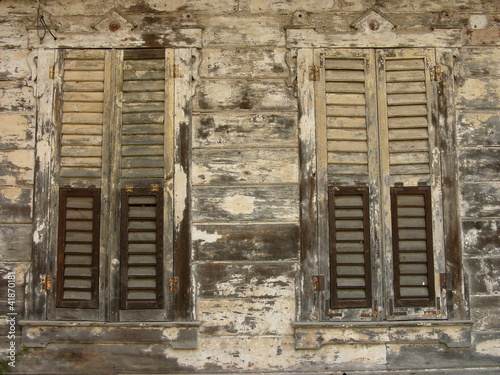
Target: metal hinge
x: 374, y: 313
x: 314, y: 73
x: 319, y: 283
x: 46, y: 283
x: 129, y: 188
x: 173, y: 284
x: 436, y: 73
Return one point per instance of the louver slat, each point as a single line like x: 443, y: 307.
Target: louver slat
x: 143, y: 117
x: 82, y: 117
x: 78, y: 248
x: 346, y: 119
x: 349, y: 247
x: 412, y: 246
x: 141, y: 246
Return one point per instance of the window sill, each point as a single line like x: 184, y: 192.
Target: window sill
x: 313, y: 335
x: 180, y: 335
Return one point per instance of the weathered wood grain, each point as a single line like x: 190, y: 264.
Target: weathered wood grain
x: 481, y: 93
x: 478, y: 129
x: 246, y: 280
x: 15, y: 242
x: 241, y: 166
x: 268, y: 95
x: 480, y: 199
x: 16, y: 204
x: 16, y: 96
x: 16, y: 167
x: 17, y: 130
x: 484, y: 312
x: 480, y: 62
x: 241, y: 317
x: 254, y: 242
x: 485, y: 273
x: 481, y: 237
x: 236, y: 129
x: 244, y: 63
x: 245, y: 204
x: 14, y: 64
x: 245, y: 30
x: 480, y: 164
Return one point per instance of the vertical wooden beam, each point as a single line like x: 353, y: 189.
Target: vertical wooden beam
x: 183, y: 297
x: 307, y: 309
x: 457, y: 300
x: 42, y: 184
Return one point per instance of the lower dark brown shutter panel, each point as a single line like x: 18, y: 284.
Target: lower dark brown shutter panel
x: 142, y: 249
x: 350, y: 268
x: 412, y: 246
x: 78, y: 248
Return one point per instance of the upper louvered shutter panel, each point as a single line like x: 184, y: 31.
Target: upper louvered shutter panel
x: 350, y: 115
x: 350, y: 268
x: 84, y: 101
x: 78, y: 248
x: 412, y: 246
x: 142, y: 249
x: 143, y: 145
x: 406, y: 104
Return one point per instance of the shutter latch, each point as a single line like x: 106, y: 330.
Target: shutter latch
x: 314, y: 73
x: 46, y: 283
x: 173, y: 284
x: 436, y: 73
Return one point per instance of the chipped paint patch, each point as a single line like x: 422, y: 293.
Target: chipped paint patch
x: 204, y: 236
x: 490, y: 347
x: 239, y: 204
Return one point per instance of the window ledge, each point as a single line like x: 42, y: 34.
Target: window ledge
x: 180, y: 335
x: 313, y: 335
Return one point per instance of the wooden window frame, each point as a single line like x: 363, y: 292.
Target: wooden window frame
x: 179, y: 305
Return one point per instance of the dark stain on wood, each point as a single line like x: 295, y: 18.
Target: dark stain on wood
x: 247, y: 242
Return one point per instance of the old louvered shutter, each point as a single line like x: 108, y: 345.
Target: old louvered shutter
x: 411, y: 187
x: 347, y: 151
x: 350, y: 275
x: 82, y: 114
x: 145, y: 156
x: 412, y: 246
x: 142, y: 249
x: 78, y: 248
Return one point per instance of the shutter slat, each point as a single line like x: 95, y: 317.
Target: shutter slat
x: 350, y: 267
x: 142, y: 249
x: 77, y: 271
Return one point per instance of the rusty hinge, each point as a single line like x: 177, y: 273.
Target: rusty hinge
x: 173, y: 284
x: 46, y: 283
x: 129, y: 188
x: 432, y: 312
x: 315, y: 73
x: 319, y: 283
x: 155, y: 187
x: 436, y: 73
x: 374, y: 313
x: 174, y: 72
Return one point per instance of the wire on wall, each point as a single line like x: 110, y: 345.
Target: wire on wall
x: 41, y: 24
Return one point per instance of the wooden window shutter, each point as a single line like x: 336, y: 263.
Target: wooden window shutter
x: 406, y: 107
x: 142, y: 249
x: 78, y: 248
x: 349, y: 80
x: 144, y: 140
x: 350, y: 265
x: 83, y: 107
x: 412, y: 246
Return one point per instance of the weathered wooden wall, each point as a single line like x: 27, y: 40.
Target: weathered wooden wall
x: 245, y: 192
